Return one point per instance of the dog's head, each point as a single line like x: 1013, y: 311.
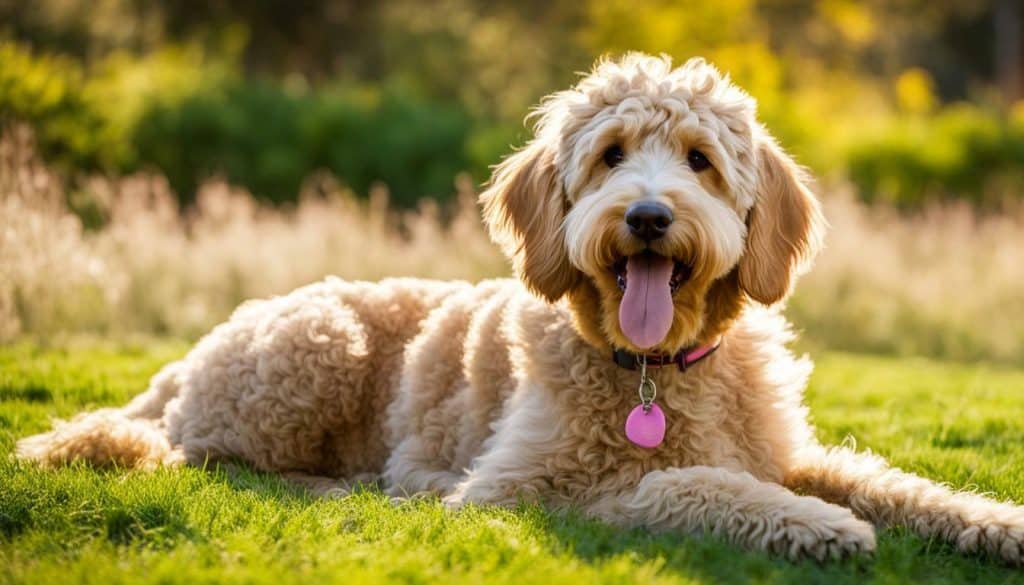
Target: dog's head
x: 653, y: 198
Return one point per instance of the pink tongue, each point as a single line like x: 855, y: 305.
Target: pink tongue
x: 645, y: 313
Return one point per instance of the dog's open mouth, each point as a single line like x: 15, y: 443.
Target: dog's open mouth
x: 648, y: 281
x: 680, y: 272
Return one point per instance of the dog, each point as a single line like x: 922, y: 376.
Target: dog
x: 636, y: 369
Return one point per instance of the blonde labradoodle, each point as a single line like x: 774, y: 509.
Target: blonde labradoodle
x: 650, y: 222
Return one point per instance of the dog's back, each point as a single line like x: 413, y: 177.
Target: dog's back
x: 298, y: 382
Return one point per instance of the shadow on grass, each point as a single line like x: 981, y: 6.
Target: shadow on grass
x: 703, y: 557
x: 84, y: 506
x: 76, y: 503
x: 901, y: 556
x: 28, y: 392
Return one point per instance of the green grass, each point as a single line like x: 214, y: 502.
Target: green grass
x: 960, y: 424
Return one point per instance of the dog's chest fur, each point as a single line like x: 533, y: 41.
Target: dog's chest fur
x: 492, y: 364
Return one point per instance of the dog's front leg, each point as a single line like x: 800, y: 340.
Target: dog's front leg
x: 744, y: 510
x: 514, y: 464
x: 888, y: 496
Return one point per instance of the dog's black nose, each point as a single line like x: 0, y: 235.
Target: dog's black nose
x: 648, y: 220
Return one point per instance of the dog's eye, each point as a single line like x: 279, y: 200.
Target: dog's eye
x: 613, y: 156
x: 698, y: 162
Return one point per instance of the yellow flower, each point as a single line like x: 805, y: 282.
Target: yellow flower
x: 915, y: 91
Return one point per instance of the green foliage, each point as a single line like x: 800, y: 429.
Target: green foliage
x: 391, y: 92
x: 269, y: 139
x: 964, y: 151
x: 85, y: 119
x: 960, y: 424
x: 46, y: 91
x: 191, y: 117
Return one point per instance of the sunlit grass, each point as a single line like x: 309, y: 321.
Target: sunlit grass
x: 961, y: 424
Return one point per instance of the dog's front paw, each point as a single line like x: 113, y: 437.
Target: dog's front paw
x: 832, y: 539
x: 999, y: 532
x: 454, y: 501
x: 484, y: 493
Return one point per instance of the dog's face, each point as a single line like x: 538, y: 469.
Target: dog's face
x: 652, y: 197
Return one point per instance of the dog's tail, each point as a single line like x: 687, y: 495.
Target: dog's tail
x: 134, y: 436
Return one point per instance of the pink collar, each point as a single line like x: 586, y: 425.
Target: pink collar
x: 684, y: 358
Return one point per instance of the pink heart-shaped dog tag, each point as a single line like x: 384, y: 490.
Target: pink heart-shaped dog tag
x: 646, y: 429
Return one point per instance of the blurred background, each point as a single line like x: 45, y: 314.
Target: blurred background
x: 162, y: 161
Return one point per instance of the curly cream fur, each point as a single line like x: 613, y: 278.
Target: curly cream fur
x: 488, y: 394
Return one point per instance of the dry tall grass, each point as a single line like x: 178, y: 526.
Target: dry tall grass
x: 946, y: 282
x: 152, y: 269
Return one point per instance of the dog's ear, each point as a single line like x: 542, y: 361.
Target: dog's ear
x: 524, y: 208
x: 784, y: 228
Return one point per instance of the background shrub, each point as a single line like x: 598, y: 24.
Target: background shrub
x: 964, y: 152
x: 191, y: 118
x: 912, y: 101
x: 269, y: 139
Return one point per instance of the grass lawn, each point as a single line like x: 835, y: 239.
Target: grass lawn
x: 959, y: 424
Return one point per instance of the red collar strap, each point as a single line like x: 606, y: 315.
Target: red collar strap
x: 684, y: 358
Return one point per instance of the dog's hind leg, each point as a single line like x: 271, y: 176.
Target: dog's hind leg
x: 888, y: 496
x: 133, y: 436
